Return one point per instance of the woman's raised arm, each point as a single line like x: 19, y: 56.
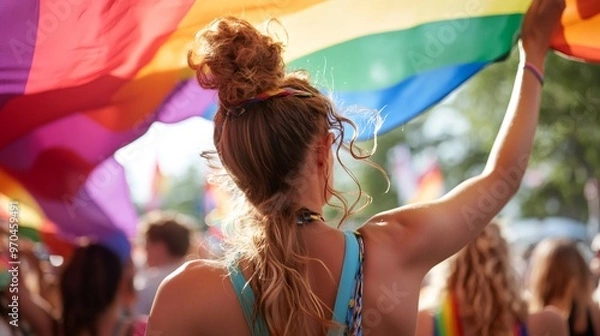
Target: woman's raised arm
x: 427, y: 233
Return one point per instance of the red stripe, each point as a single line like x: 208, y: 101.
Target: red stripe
x: 590, y: 54
x: 51, y: 105
x: 459, y: 327
x: 79, y: 41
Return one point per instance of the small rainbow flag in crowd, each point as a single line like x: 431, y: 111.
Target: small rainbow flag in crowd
x: 447, y: 321
x: 80, y: 79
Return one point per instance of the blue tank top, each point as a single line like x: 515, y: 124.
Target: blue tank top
x: 348, y: 302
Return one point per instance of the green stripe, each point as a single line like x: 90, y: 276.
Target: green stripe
x: 31, y: 233
x: 382, y: 60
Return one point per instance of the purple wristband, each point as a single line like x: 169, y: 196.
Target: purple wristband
x: 535, y: 72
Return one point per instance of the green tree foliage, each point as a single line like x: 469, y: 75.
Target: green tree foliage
x: 565, y: 155
x: 185, y: 195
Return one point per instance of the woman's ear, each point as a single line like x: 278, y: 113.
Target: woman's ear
x: 324, y: 149
x: 330, y: 138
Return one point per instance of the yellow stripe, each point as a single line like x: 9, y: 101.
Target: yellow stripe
x: 324, y: 24
x: 30, y: 213
x: 168, y: 66
x: 450, y: 322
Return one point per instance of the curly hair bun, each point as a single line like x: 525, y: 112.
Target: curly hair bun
x: 234, y: 58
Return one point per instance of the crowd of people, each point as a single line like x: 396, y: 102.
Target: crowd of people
x: 481, y: 291
x: 284, y: 269
x: 98, y: 289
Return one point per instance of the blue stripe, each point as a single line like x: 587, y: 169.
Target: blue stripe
x: 401, y: 102
x: 408, y: 99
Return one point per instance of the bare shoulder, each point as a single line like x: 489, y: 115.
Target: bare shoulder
x: 191, y: 299
x: 395, y: 242
x: 547, y: 322
x: 196, y: 277
x: 383, y: 231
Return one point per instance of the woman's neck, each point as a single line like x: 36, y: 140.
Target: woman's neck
x: 311, y: 193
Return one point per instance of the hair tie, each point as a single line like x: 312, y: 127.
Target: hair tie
x: 275, y: 93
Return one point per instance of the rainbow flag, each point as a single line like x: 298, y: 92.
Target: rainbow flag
x: 430, y: 185
x: 80, y: 79
x: 578, y: 36
x: 447, y: 321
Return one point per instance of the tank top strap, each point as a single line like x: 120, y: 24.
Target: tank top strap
x: 245, y: 295
x: 347, y: 277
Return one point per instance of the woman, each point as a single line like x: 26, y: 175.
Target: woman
x: 288, y: 272
x: 560, y: 280
x: 482, y: 296
x: 96, y: 285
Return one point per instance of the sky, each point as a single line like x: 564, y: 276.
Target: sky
x: 176, y: 147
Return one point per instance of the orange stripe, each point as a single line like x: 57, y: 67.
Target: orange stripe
x: 142, y: 95
x: 581, y: 52
x: 580, y: 25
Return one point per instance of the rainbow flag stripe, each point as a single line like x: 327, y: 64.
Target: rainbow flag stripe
x: 578, y: 35
x: 80, y: 79
x: 447, y: 320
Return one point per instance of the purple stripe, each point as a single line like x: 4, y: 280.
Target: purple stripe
x: 90, y: 140
x: 18, y: 30
x: 102, y: 207
x: 188, y: 99
x: 76, y: 132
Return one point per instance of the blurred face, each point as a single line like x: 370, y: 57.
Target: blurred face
x: 154, y: 253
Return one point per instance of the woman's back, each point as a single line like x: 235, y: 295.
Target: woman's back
x: 202, y: 294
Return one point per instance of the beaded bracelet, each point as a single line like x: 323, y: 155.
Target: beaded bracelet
x: 537, y: 73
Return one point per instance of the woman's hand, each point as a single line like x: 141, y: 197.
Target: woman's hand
x: 539, y: 25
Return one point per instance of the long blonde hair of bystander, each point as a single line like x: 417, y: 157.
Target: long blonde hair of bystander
x: 485, y: 285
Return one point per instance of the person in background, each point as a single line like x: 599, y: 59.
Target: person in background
x: 560, y: 280
x: 482, y: 296
x: 167, y: 241
x: 96, y: 287
x: 34, y: 315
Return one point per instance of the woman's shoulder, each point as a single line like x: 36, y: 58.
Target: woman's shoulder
x: 547, y: 322
x: 197, y: 293
x: 197, y: 277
